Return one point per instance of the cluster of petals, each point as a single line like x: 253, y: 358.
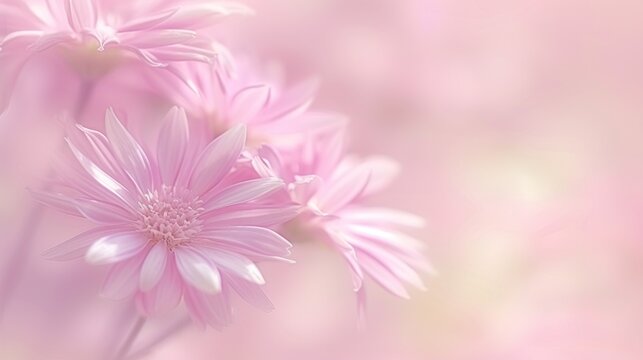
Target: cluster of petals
x: 234, y: 92
x: 332, y: 188
x: 106, y: 32
x: 188, y: 214
x: 182, y: 221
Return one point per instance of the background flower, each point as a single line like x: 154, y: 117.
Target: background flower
x: 94, y: 37
x: 332, y: 187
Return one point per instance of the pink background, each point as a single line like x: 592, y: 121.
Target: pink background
x: 518, y: 125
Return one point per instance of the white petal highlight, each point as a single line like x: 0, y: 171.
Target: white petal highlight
x: 115, y: 248
x: 198, y: 271
x: 236, y: 264
x: 77, y: 246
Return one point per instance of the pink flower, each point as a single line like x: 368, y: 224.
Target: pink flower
x: 333, y: 189
x: 177, y: 222
x: 233, y: 93
x: 95, y: 36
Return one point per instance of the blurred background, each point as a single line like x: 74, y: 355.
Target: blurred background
x: 519, y: 127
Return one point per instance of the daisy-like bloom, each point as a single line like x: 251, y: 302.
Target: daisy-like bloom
x: 332, y: 189
x: 233, y: 93
x: 94, y: 36
x: 177, y: 222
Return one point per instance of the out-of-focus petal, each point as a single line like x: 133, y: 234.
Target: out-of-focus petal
x: 58, y: 201
x: 77, y: 246
x: 122, y: 279
x: 341, y: 191
x: 382, y: 275
x: 166, y: 294
x: 373, y: 215
x: 248, y: 102
x: 383, y: 171
x: 250, y: 292
x: 157, y: 38
x: 213, y: 310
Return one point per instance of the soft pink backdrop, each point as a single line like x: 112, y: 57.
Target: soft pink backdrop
x: 518, y: 125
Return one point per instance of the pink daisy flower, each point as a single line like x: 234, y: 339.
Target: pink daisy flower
x: 176, y: 222
x: 233, y: 93
x: 104, y: 33
x: 332, y: 189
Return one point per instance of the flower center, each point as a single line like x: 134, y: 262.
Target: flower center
x: 170, y: 215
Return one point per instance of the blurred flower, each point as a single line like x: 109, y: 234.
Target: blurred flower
x: 236, y: 93
x: 94, y: 36
x: 332, y: 188
x: 173, y: 223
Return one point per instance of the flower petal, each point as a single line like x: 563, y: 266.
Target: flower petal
x: 147, y: 22
x: 341, y: 191
x: 153, y: 267
x: 166, y: 295
x: 250, y: 240
x: 172, y: 144
x: 128, y: 152
x: 383, y: 171
x: 294, y: 102
x: 122, y: 279
x: 103, y: 212
x: 244, y: 192
x: 373, y: 215
x: 235, y: 264
x: 77, y: 246
x: 58, y: 201
x: 217, y: 159
x: 100, y: 176
x: 250, y: 292
x: 204, y: 14
x: 150, y: 39
x: 116, y: 247
x: 47, y: 41
x: 382, y: 275
x: 394, y: 264
x: 81, y: 14
x: 100, y: 146
x: 304, y: 188
x: 248, y: 102
x: 197, y: 271
x: 391, y: 238
x: 214, y: 310
x: 256, y: 216
x: 342, y: 244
